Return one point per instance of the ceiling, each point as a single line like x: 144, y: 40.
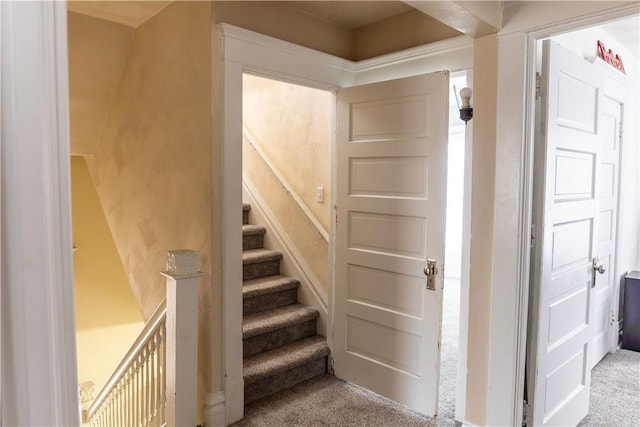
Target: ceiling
x: 352, y: 15
x: 129, y: 13
x: 348, y: 15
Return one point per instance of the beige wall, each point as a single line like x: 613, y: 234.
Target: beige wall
x: 396, y: 33
x: 107, y: 316
x: 152, y: 169
x: 293, y: 126
x: 97, y: 54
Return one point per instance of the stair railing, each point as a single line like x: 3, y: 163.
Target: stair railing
x: 149, y: 387
x: 135, y: 394
x: 309, y: 216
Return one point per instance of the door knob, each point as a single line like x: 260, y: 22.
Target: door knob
x: 597, y: 268
x: 430, y: 270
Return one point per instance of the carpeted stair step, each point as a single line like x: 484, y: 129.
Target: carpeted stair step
x: 260, y: 263
x: 269, y: 372
x: 275, y: 328
x: 252, y: 237
x: 269, y: 292
x: 246, y: 207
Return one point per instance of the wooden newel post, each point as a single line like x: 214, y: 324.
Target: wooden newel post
x: 182, y: 337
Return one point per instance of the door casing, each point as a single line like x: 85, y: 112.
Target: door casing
x: 511, y: 260
x: 247, y: 51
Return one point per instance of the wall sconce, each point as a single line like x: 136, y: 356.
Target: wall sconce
x: 466, y: 111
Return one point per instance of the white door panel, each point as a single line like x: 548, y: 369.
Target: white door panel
x: 610, y: 130
x: 391, y: 200
x: 567, y: 189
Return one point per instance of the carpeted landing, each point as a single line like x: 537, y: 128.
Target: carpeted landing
x: 615, y: 391
x: 328, y: 401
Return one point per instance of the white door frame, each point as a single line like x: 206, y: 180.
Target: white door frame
x: 39, y: 378
x: 511, y: 259
x: 247, y: 51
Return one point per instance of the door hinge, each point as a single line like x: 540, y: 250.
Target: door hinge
x: 533, y: 236
x: 538, y: 85
x: 525, y: 411
x: 621, y: 137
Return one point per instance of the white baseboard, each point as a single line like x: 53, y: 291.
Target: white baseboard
x: 234, y: 401
x: 214, y: 409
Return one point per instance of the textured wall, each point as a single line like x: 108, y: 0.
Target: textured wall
x: 152, y: 169
x: 97, y: 54
x: 106, y: 311
x: 293, y: 126
x: 397, y: 33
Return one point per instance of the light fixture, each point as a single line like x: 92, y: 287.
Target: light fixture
x: 466, y: 111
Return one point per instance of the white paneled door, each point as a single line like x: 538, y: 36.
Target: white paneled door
x: 566, y: 193
x: 611, y: 109
x: 391, y: 200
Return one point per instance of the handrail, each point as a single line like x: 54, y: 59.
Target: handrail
x: 283, y: 182
x: 147, y: 332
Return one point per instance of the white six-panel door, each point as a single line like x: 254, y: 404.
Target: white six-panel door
x: 558, y: 357
x: 391, y: 200
x: 610, y: 130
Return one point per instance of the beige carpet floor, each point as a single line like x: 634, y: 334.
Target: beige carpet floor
x: 615, y: 391
x: 327, y: 401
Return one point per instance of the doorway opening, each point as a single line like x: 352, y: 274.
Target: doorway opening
x: 613, y: 193
x: 456, y: 281
x: 287, y: 138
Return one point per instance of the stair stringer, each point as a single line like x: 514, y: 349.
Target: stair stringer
x: 310, y: 292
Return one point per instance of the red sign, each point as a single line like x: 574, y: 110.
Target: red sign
x: 611, y: 59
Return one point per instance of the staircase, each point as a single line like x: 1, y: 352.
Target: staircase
x: 280, y: 345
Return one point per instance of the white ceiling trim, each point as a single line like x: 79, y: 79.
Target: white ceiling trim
x: 415, y: 53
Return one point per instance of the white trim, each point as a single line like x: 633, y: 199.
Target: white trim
x: 311, y: 218
x: 40, y: 384
x: 455, y: 54
x: 292, y: 258
x: 510, y: 240
x: 245, y: 51
x: 265, y: 55
x: 511, y: 261
x: 214, y: 409
x: 232, y: 241
x: 415, y: 54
